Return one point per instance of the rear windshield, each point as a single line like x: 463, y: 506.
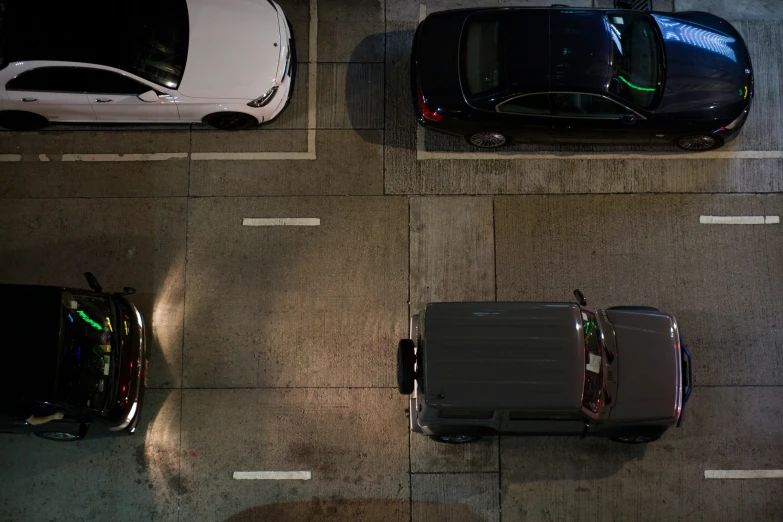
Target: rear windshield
x: 88, y: 351
x: 636, y: 60
x: 483, y: 55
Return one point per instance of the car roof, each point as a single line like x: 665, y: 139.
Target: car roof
x: 30, y: 341
x: 90, y: 31
x: 511, y: 356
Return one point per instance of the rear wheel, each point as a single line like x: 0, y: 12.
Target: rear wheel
x: 406, y: 358
x: 455, y: 439
x: 699, y: 142
x: 230, y: 120
x: 58, y: 436
x: 488, y: 139
x: 21, y: 120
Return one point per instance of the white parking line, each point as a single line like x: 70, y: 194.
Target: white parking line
x: 157, y: 156
x: 277, y: 222
x: 423, y: 155
x: 739, y: 220
x: 272, y: 475
x: 743, y: 473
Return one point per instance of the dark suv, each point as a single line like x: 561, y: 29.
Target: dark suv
x: 74, y: 361
x: 476, y: 369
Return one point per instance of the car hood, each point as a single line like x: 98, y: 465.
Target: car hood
x: 705, y: 70
x: 647, y: 359
x: 233, y: 51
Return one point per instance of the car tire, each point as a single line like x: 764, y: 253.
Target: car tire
x: 699, y: 142
x: 455, y: 439
x: 639, y: 437
x: 406, y: 358
x: 21, y: 120
x: 488, y: 139
x: 58, y: 436
x: 645, y: 308
x: 230, y: 121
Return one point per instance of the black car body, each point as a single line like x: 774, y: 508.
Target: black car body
x: 81, y: 353
x: 544, y: 369
x: 581, y: 76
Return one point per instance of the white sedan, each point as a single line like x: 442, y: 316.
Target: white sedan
x: 227, y: 63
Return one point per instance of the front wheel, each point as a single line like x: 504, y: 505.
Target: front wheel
x: 230, y: 120
x: 58, y: 436
x: 488, y: 139
x: 699, y: 142
x: 455, y: 439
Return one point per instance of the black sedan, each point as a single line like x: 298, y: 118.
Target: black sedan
x: 581, y: 76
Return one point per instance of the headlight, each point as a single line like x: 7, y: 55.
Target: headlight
x: 264, y: 99
x: 738, y: 122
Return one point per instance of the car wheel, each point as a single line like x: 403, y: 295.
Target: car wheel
x: 58, y: 436
x: 699, y: 143
x: 230, y: 120
x: 20, y: 120
x: 487, y: 139
x: 455, y: 439
x: 639, y: 437
x: 647, y: 308
x: 405, y: 371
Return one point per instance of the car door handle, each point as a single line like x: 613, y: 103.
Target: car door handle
x: 28, y: 100
x: 103, y: 100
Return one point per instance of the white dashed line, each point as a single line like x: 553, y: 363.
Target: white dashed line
x: 739, y: 220
x: 252, y: 156
x: 155, y: 156
x: 8, y: 158
x: 743, y: 473
x: 272, y: 475
x: 277, y: 222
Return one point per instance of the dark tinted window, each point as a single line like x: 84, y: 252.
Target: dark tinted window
x: 483, y: 55
x: 591, y: 396
x: 578, y: 105
x: 466, y: 414
x: 50, y: 79
x: 635, y: 58
x: 537, y: 104
x: 106, y: 82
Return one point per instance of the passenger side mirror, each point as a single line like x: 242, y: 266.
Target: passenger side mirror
x: 149, y: 96
x: 628, y: 119
x: 623, y: 4
x: 580, y: 297
x: 93, y: 282
x: 127, y: 290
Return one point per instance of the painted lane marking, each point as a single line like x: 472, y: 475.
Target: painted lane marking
x: 155, y: 156
x: 278, y: 222
x: 312, y: 77
x: 7, y: 158
x: 422, y: 12
x: 739, y: 220
x: 424, y: 155
x: 252, y: 156
x: 272, y: 475
x: 743, y: 473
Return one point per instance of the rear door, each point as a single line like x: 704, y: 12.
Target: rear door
x: 56, y: 92
x: 115, y: 97
x: 527, y: 118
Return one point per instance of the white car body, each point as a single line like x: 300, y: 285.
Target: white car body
x: 237, y: 51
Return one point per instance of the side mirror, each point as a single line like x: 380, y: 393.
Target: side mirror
x: 580, y: 297
x: 127, y: 290
x: 149, y: 96
x: 628, y: 119
x: 93, y: 282
x: 623, y: 4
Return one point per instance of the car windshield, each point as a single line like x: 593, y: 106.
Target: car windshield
x: 591, y: 396
x: 88, y: 350
x: 636, y: 59
x: 156, y: 44
x: 483, y: 55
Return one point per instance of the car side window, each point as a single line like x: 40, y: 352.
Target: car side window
x: 580, y: 105
x: 533, y: 104
x: 100, y: 81
x: 49, y: 79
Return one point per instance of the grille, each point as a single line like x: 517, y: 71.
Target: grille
x: 637, y: 5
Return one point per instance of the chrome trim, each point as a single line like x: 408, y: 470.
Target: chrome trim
x: 497, y: 107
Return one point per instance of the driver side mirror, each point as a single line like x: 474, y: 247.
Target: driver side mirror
x: 580, y: 297
x: 628, y: 119
x: 93, y: 282
x: 127, y: 290
x: 149, y: 96
x: 623, y: 4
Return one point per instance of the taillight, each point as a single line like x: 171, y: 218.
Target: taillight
x: 426, y: 111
